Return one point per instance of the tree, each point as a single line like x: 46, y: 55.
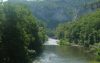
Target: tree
x: 83, y: 31
x: 18, y: 34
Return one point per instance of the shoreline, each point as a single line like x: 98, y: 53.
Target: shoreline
x: 87, y: 50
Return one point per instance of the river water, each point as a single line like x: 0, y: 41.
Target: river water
x: 53, y: 53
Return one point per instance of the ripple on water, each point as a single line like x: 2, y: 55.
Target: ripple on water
x: 52, y: 42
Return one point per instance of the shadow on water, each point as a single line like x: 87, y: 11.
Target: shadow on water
x: 33, y: 56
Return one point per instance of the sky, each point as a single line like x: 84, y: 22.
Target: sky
x: 35, y: 0
x: 4, y: 0
x: 27, y: 0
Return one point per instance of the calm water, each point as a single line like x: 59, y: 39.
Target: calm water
x: 58, y: 54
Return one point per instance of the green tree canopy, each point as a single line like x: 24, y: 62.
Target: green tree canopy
x: 19, y: 33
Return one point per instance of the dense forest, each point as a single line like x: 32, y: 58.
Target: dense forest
x: 84, y: 31
x: 53, y: 12
x: 20, y: 35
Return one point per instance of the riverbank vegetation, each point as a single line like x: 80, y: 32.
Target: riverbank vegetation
x: 84, y: 31
x: 21, y: 37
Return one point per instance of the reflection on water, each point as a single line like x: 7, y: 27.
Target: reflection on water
x: 58, y: 54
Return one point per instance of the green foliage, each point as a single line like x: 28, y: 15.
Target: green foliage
x: 64, y: 42
x: 54, y: 12
x: 50, y: 32
x: 42, y: 31
x: 96, y: 49
x: 84, y: 31
x: 62, y: 30
x: 19, y: 33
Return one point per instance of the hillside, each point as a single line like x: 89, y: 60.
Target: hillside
x: 53, y: 12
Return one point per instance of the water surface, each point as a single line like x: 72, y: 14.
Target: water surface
x: 53, y: 53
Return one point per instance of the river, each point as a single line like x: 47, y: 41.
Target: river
x: 53, y: 53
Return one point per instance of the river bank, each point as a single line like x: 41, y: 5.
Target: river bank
x: 93, y: 50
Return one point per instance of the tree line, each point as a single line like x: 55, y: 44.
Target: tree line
x: 84, y: 31
x: 20, y: 34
